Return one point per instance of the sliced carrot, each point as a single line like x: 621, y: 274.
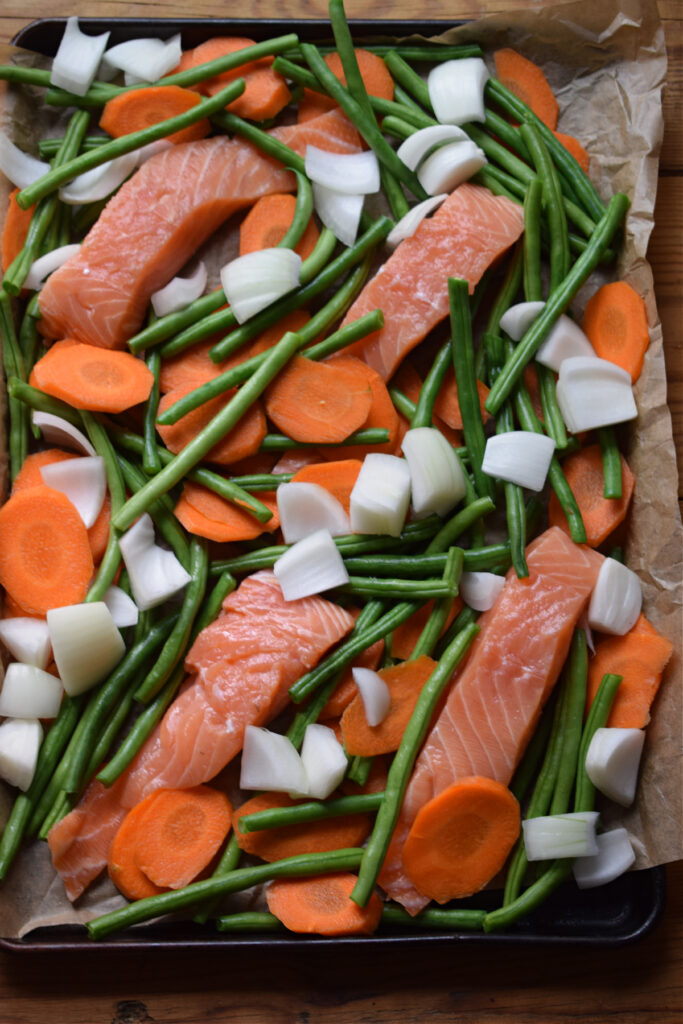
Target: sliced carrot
x: 241, y: 441
x: 318, y: 403
x: 600, y: 515
x: 97, y: 379
x: 373, y: 70
x: 206, y: 514
x: 45, y: 557
x: 461, y: 838
x: 180, y: 833
x: 11, y: 609
x: 346, y: 689
x: 339, y: 478
x: 405, y: 682
x: 575, y: 148
x: 98, y: 534
x: 534, y: 389
x: 322, y: 905
x: 447, y: 406
x: 137, y: 109
x: 265, y: 93
x: 14, y: 230
x: 122, y: 866
x: 272, y: 844
x: 382, y: 414
x: 527, y: 81
x: 640, y: 656
x: 269, y: 220
x: 615, y: 321
x: 405, y: 636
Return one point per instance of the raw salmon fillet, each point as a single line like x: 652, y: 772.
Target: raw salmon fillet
x: 158, y: 219
x: 466, y: 234
x: 492, y: 710
x: 243, y: 665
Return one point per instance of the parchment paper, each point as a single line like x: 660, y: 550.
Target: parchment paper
x: 606, y: 63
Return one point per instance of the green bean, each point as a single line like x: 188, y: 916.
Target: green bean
x: 427, y: 51
x: 436, y: 623
x: 532, y: 241
x: 552, y: 194
x: 394, y: 194
x: 261, y: 481
x: 429, y: 392
x: 318, y: 810
x: 243, y: 878
x: 409, y: 79
x: 311, y: 712
x: 23, y: 75
x: 268, y: 144
x: 282, y: 443
x: 302, y: 212
x: 248, y: 921
x: 557, y: 302
x: 418, y: 590
x: 346, y: 335
x: 611, y: 463
x: 577, y: 677
x: 392, y: 565
x: 402, y: 764
x: 151, y: 463
x: 366, y: 125
x: 468, y: 396
x: 166, y: 326
x: 463, y: 919
x: 103, y: 699
x: 211, y: 607
x: 466, y: 617
x: 204, y: 441
x: 322, y: 253
x: 175, y: 645
x: 454, y: 527
x: 50, y: 147
x: 229, y: 860
x: 58, y: 176
x: 533, y: 755
x: 48, y: 757
x: 161, y: 512
x: 598, y: 715
x: 552, y: 417
x: 492, y: 179
x: 360, y: 767
x: 45, y: 801
x: 347, y: 55
x: 111, y: 559
x: 29, y: 339
x: 14, y: 367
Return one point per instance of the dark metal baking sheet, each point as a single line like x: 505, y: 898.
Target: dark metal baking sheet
x: 617, y: 914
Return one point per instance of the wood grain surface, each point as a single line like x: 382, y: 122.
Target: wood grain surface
x: 638, y: 984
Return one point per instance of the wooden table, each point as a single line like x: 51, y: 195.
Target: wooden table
x: 642, y: 984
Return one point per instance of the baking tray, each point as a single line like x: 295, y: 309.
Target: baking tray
x: 623, y: 912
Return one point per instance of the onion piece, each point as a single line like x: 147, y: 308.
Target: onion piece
x: 409, y: 223
x: 350, y: 173
x: 30, y: 692
x: 310, y: 566
x: 155, y: 573
x: 20, y: 740
x: 99, y: 182
x: 420, y: 144
x: 304, y: 508
x: 593, y: 393
x: 254, y: 281
x: 324, y: 761
x: 456, y: 90
x: 374, y: 693
x: 616, y: 600
x: 86, y: 644
x: 48, y: 263
x: 271, y: 762
x: 83, y: 481
x: 566, y: 339
x: 21, y: 168
x: 437, y: 480
x: 339, y: 212
x: 560, y: 835
x: 77, y: 59
x: 59, y: 431
x: 520, y: 457
x: 123, y: 608
x: 480, y: 589
x: 144, y: 60
x: 381, y: 495
x: 615, y: 856
x: 517, y: 319
x: 450, y: 165
x: 180, y: 292
x: 27, y: 640
x: 612, y: 762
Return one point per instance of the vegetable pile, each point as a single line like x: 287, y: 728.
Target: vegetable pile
x: 397, y: 411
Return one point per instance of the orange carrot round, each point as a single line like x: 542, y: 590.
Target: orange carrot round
x: 575, y: 148
x: 447, y: 406
x: 318, y: 403
x: 206, y: 514
x: 45, y: 557
x: 600, y: 515
x: 405, y: 682
x: 88, y: 377
x: 137, y: 109
x: 373, y: 70
x: 461, y: 838
x: 180, y: 833
x: 615, y: 322
x: 322, y: 905
x: 241, y: 441
x: 265, y: 93
x: 271, y: 844
x: 382, y: 414
x: 527, y: 81
x: 14, y: 230
x: 269, y: 220
x: 121, y: 864
x: 640, y: 656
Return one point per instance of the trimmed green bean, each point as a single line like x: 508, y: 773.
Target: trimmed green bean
x: 409, y: 79
x: 597, y: 717
x: 318, y: 810
x: 396, y: 565
x: 429, y: 392
x: 418, y: 590
x: 463, y: 919
x: 111, y: 559
x: 282, y: 443
x: 435, y: 624
x: 531, y: 242
x: 311, y: 711
x: 303, y: 210
x: 161, y: 512
x: 577, y: 678
x: 611, y: 463
x: 229, y: 860
x: 554, y: 209
x: 321, y: 255
x: 14, y: 367
x: 249, y: 921
x: 171, y: 324
x: 151, y: 463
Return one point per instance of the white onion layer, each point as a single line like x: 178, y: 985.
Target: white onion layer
x: 86, y: 644
x: 180, y: 292
x: 29, y: 692
x: 60, y: 432
x: 594, y: 393
x: 83, y: 481
x: 310, y: 566
x: 615, y: 856
x: 155, y: 573
x: 21, y: 168
x: 77, y: 59
x: 456, y: 90
x: 47, y: 264
x: 479, y: 590
x: 616, y: 600
x: 27, y: 640
x: 324, y: 761
x: 437, y: 479
x: 271, y: 762
x: 374, y: 693
x: 410, y: 222
x: 565, y: 339
x: 420, y: 144
x: 560, y: 835
x: 381, y: 495
x: 350, y: 173
x: 520, y: 457
x: 339, y: 212
x: 20, y: 740
x: 99, y: 182
x: 304, y: 508
x: 122, y: 607
x: 145, y: 60
x: 612, y: 762
x: 256, y: 280
x: 450, y: 165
